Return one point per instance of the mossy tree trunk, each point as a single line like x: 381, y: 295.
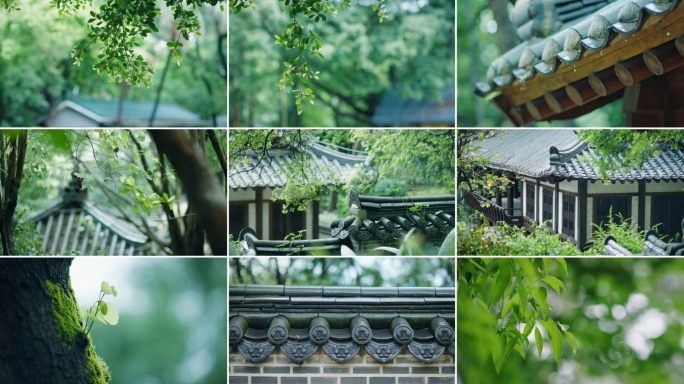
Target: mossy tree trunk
x: 41, y: 337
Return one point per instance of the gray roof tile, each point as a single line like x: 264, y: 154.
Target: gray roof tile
x: 527, y: 152
x: 271, y: 173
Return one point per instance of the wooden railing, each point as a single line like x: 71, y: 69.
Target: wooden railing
x: 493, y: 212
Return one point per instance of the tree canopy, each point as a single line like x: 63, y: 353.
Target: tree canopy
x: 39, y: 39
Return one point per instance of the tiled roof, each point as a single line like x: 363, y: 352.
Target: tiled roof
x: 525, y: 151
x: 384, y: 221
x: 77, y: 225
x: 135, y: 112
x: 592, y: 33
x: 557, y: 152
x: 396, y: 111
x: 271, y: 173
x: 373, y: 221
x: 341, y: 320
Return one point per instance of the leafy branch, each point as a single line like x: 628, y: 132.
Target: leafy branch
x: 515, y: 296
x: 295, y: 37
x: 101, y: 311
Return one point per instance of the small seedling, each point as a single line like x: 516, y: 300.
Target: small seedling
x: 101, y: 311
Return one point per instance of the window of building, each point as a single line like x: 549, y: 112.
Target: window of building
x: 285, y: 223
x: 237, y: 219
x: 529, y: 210
x: 668, y: 211
x: 547, y: 207
x: 568, y: 225
x: 620, y: 206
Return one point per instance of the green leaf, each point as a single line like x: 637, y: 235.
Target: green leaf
x: 501, y: 282
x: 103, y: 307
x: 90, y: 189
x: 111, y: 317
x: 556, y: 339
x: 561, y: 261
x: 106, y: 288
x: 547, y: 264
x: 572, y: 341
x: 538, y: 340
x: 527, y: 267
x: 554, y: 283
x: 136, y: 208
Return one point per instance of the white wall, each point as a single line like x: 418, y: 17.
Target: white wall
x: 559, y: 213
x: 251, y: 214
x: 590, y: 214
x: 635, y: 209
x: 664, y: 187
x: 599, y: 187
x: 265, y: 224
x: 67, y: 117
x: 647, y: 215
x: 241, y: 194
x: 568, y: 185
x: 309, y: 221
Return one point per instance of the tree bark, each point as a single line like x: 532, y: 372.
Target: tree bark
x: 15, y: 152
x: 33, y: 345
x: 204, y: 192
x: 505, y: 33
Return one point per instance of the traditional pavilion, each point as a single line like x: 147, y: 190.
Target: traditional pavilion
x: 578, y: 55
x: 554, y: 182
x: 78, y: 226
x: 252, y: 185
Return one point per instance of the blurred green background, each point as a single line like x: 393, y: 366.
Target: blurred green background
x: 627, y: 316
x: 173, y: 315
x: 358, y: 271
x: 413, y: 47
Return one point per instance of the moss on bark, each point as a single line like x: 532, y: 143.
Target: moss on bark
x: 69, y: 326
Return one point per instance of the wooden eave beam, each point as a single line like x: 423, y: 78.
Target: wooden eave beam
x: 656, y: 31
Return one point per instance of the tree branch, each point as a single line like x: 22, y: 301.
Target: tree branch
x: 200, y: 183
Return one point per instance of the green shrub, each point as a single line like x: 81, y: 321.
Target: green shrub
x: 625, y: 234
x: 390, y: 187
x: 505, y: 240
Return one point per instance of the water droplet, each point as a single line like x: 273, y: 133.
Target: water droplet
x: 668, y: 33
x: 602, y: 52
x: 574, y: 68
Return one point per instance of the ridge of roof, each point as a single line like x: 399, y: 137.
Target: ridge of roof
x: 341, y: 320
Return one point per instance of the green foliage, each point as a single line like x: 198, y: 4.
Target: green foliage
x: 624, y: 231
x: 623, y: 149
x: 503, y: 294
x: 361, y: 55
x: 390, y: 187
x: 425, y: 157
x: 101, y: 311
x: 473, y: 175
x: 120, y: 26
x: 503, y: 240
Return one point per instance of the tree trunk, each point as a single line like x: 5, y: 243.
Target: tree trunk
x: 204, y: 192
x: 505, y: 33
x: 12, y: 172
x: 42, y: 338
